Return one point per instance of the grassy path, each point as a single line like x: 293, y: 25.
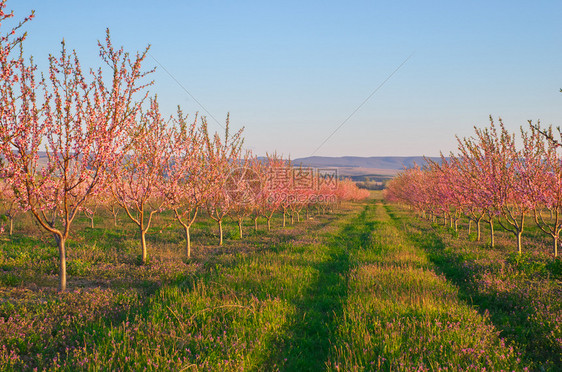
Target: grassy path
x: 520, y: 296
x: 307, y: 341
x: 401, y: 315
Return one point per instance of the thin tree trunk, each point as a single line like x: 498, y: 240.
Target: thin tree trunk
x: 240, y: 228
x: 492, y: 243
x: 292, y: 218
x: 187, y: 229
x: 256, y: 224
x: 298, y: 217
x: 143, y: 245
x: 469, y: 226
x: 519, y: 231
x: 62, y: 262
x: 284, y: 218
x: 268, y: 223
x: 220, y: 231
x: 478, y: 229
x: 187, y: 241
x: 555, y: 238
x: 11, y: 225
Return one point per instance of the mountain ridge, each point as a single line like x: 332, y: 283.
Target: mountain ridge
x: 359, y: 165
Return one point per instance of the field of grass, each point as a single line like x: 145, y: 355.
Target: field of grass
x: 368, y: 287
x: 521, y: 294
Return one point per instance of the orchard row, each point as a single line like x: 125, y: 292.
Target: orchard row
x: 72, y: 139
x: 496, y: 176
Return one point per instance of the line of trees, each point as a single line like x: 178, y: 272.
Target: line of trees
x: 496, y: 177
x: 107, y: 144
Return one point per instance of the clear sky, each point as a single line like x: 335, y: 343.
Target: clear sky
x: 291, y: 72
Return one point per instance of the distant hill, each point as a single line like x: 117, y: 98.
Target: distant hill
x: 356, y: 167
x: 363, y: 166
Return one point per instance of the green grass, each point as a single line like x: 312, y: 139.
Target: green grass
x: 401, y: 315
x: 521, y: 295
x: 229, y: 308
x: 365, y: 288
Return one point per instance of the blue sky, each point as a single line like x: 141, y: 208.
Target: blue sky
x: 291, y: 72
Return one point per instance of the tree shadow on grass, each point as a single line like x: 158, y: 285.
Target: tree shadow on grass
x: 306, y: 346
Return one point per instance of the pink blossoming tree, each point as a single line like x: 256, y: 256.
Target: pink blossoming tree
x: 81, y: 123
x: 138, y: 183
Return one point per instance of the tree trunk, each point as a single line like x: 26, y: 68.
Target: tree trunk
x: 143, y: 245
x: 307, y: 214
x: 11, y: 225
x: 268, y: 223
x: 492, y: 243
x: 292, y: 218
x: 284, y: 217
x: 519, y: 231
x: 469, y: 226
x: 298, y: 217
x: 92, y: 222
x: 256, y: 224
x: 187, y: 241
x: 62, y: 262
x: 555, y: 238
x: 478, y: 229
x: 220, y: 231
x: 240, y: 228
x: 140, y: 223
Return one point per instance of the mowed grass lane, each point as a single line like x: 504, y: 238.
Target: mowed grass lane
x: 401, y: 316
x: 521, y: 294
